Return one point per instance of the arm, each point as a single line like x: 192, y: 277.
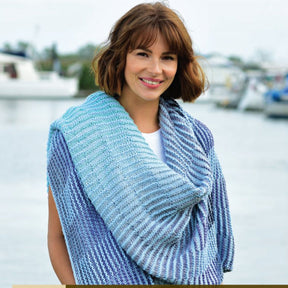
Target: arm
x: 56, y: 245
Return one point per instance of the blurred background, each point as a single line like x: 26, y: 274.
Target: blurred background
x: 46, y: 48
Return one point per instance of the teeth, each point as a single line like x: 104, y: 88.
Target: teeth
x: 150, y: 82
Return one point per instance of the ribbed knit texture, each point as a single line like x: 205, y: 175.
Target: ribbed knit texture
x: 95, y: 256
x: 172, y: 220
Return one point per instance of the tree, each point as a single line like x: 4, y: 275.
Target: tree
x: 22, y: 46
x: 7, y: 47
x: 86, y: 79
x: 87, y: 52
x: 236, y: 60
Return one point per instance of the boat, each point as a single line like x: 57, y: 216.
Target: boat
x: 226, y: 81
x: 252, y: 99
x: 276, y: 98
x: 19, y: 78
x: 276, y: 103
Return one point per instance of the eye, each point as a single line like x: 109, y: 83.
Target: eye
x: 169, y: 57
x: 142, y: 54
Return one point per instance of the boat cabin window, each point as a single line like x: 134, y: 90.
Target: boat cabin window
x: 10, y: 70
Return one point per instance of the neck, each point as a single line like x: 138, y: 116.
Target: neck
x: 143, y: 113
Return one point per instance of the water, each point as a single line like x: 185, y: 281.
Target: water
x: 253, y: 153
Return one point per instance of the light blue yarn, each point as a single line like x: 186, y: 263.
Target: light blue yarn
x: 172, y: 219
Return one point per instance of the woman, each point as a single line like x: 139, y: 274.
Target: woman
x: 136, y: 193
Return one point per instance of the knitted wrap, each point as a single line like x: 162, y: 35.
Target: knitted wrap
x: 170, y: 221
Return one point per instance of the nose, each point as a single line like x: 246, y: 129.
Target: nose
x: 155, y: 66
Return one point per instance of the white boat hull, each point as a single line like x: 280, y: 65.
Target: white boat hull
x: 17, y: 88
x: 276, y: 109
x: 20, y: 79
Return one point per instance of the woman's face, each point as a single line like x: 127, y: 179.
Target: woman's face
x: 149, y: 71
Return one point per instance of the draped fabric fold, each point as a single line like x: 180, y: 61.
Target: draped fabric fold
x: 165, y: 217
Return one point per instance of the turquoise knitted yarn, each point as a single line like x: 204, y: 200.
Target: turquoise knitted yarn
x: 168, y: 220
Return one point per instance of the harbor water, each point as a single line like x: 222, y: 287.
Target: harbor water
x: 253, y: 151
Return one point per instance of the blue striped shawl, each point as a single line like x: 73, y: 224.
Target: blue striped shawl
x: 129, y: 218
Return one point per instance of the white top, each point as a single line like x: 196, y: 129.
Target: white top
x: 154, y: 140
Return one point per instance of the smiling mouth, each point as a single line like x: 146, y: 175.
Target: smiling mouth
x: 151, y: 82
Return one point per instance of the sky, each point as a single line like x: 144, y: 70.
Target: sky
x: 244, y: 28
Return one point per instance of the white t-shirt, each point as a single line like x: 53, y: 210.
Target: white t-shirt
x: 154, y: 140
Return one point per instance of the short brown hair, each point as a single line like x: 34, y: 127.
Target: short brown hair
x: 139, y: 27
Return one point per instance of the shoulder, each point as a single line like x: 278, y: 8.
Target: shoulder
x: 71, y: 126
x: 88, y: 105
x: 75, y: 117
